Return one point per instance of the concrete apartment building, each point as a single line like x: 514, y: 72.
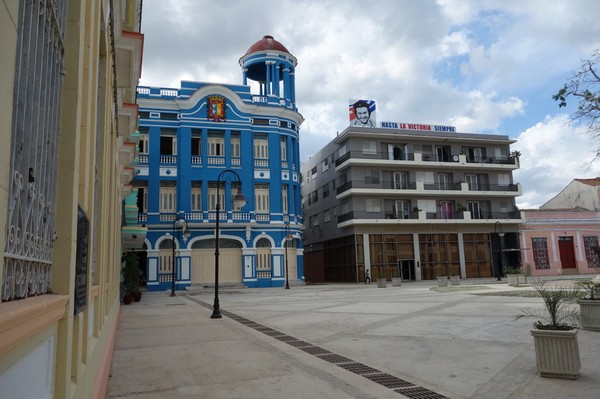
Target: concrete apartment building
x: 68, y: 131
x: 411, y: 200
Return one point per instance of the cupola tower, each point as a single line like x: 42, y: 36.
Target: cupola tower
x: 271, y: 65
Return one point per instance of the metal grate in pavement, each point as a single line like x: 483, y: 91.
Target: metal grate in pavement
x: 286, y: 338
x: 358, y: 368
x: 315, y: 350
x: 273, y: 333
x: 419, y: 393
x: 299, y: 344
x: 335, y: 358
x: 389, y: 381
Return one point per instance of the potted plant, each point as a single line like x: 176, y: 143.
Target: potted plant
x: 442, y: 280
x: 396, y: 278
x: 381, y: 278
x: 515, y: 276
x: 555, y: 331
x: 131, y: 277
x: 589, y: 306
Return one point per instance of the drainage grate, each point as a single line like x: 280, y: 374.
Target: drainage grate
x: 359, y: 368
x: 389, y: 381
x: 419, y: 393
x: 263, y: 328
x: 334, y: 358
x: 315, y: 350
x: 299, y: 344
x: 273, y: 333
x: 285, y: 338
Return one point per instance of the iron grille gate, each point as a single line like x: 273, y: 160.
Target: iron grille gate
x: 34, y: 149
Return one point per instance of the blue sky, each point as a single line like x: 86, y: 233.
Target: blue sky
x: 482, y: 66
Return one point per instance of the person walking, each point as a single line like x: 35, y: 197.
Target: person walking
x: 367, y: 277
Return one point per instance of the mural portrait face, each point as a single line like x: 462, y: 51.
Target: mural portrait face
x: 362, y: 113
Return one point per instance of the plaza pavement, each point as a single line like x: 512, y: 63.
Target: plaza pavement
x: 339, y: 341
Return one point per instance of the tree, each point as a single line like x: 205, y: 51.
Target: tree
x: 585, y: 86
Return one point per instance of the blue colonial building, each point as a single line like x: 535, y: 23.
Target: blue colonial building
x: 200, y: 146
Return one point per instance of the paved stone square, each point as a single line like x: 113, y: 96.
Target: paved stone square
x: 340, y: 341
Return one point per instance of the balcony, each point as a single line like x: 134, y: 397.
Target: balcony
x: 422, y: 217
x: 459, y: 161
x: 167, y: 218
x: 389, y: 187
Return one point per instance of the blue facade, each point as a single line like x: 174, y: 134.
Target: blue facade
x: 200, y: 145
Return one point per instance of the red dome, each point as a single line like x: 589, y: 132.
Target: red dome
x: 267, y: 43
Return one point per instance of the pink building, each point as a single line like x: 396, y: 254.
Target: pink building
x: 562, y: 237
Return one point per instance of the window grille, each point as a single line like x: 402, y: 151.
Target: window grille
x: 540, y: 253
x: 34, y: 149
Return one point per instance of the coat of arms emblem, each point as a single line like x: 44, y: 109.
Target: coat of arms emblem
x: 216, y: 108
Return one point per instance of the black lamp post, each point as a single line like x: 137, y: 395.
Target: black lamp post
x: 238, y: 201
x: 498, y: 230
x: 182, y: 225
x: 288, y: 236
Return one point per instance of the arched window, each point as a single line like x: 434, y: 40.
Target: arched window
x: 223, y: 243
x: 166, y: 244
x: 263, y: 243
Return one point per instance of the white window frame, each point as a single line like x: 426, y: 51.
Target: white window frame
x: 235, y: 145
x: 369, y: 148
x: 261, y: 147
x: 261, y: 198
x: 168, y: 198
x: 402, y: 209
x: 283, y: 148
x: 373, y: 205
x: 196, y: 198
x: 216, y: 145
x: 400, y: 180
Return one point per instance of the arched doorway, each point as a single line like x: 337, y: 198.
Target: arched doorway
x: 203, y: 262
x: 263, y: 262
x: 165, y: 261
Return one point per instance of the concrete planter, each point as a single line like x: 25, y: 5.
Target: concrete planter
x: 442, y: 281
x: 557, y: 353
x: 516, y: 279
x: 454, y: 280
x: 590, y: 314
x: 381, y: 282
x: 396, y: 281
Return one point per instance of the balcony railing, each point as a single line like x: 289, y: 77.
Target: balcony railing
x: 493, y: 187
x: 425, y: 157
x: 199, y: 216
x: 414, y: 215
x: 168, y: 159
x: 385, y: 184
x: 427, y: 186
x: 442, y: 186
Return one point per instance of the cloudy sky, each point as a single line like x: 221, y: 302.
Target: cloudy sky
x: 482, y: 66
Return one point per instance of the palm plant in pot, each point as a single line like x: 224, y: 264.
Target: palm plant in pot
x: 555, y: 331
x: 590, y: 304
x: 131, y: 275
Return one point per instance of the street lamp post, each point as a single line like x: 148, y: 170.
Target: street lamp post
x: 238, y: 201
x: 182, y: 225
x: 498, y: 230
x: 288, y: 236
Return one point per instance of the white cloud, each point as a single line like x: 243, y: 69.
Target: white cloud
x: 481, y: 65
x: 456, y: 43
x: 552, y: 154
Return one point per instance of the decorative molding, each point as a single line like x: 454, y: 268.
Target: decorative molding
x: 21, y: 320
